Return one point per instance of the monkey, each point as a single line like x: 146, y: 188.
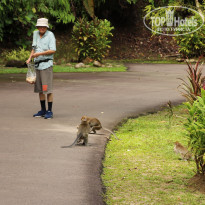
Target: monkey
x: 180, y: 149
x: 203, y: 82
x: 82, y: 134
x: 95, y: 124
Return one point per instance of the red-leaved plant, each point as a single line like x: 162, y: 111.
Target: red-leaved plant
x: 191, y: 89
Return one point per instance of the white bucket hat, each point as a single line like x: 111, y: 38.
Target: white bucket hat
x: 42, y: 22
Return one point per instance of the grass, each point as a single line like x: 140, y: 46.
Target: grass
x: 142, y: 167
x: 148, y: 61
x: 152, y: 61
x: 109, y: 67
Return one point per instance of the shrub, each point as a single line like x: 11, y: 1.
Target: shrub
x: 191, y: 89
x: 195, y: 127
x: 193, y: 44
x: 91, y: 38
x: 18, y: 55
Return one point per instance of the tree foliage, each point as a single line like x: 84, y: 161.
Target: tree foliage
x: 19, y: 16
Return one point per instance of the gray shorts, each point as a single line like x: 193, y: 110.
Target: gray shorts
x: 44, y: 81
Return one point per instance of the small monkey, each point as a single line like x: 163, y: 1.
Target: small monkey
x: 180, y: 149
x: 82, y: 134
x: 203, y: 82
x: 95, y: 124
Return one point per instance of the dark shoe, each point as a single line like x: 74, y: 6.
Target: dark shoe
x: 40, y: 114
x: 48, y: 115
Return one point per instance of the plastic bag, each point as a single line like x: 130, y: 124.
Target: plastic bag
x: 31, y: 74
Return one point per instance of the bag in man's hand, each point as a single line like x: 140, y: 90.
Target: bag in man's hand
x: 31, y: 74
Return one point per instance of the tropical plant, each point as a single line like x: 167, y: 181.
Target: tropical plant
x: 195, y: 130
x: 91, y: 38
x: 18, y: 55
x: 192, y: 44
x: 191, y: 89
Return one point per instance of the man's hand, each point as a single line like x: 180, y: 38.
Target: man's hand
x: 30, y: 57
x: 28, y: 61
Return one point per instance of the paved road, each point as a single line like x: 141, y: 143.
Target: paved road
x: 34, y: 169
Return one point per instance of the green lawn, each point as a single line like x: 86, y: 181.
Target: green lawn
x: 142, y: 167
x: 152, y: 61
x: 111, y: 67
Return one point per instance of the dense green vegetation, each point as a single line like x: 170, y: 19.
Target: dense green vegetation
x: 91, y: 38
x: 21, y: 15
x: 195, y: 130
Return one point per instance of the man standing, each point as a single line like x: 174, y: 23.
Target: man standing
x: 43, y: 48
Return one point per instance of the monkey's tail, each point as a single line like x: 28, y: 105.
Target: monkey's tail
x: 111, y: 133
x: 69, y: 146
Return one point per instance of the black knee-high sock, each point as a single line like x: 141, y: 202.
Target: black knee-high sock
x: 43, y: 105
x: 50, y: 106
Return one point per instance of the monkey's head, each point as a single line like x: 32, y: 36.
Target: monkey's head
x: 203, y: 82
x: 84, y: 118
x: 176, y: 143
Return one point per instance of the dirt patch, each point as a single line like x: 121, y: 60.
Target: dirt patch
x: 197, y: 183
x: 127, y: 43
x: 130, y: 44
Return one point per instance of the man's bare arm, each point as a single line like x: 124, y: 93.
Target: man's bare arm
x: 48, y: 52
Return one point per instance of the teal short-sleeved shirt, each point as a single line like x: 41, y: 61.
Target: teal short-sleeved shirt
x: 47, y: 42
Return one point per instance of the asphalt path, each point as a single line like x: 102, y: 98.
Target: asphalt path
x: 34, y: 169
